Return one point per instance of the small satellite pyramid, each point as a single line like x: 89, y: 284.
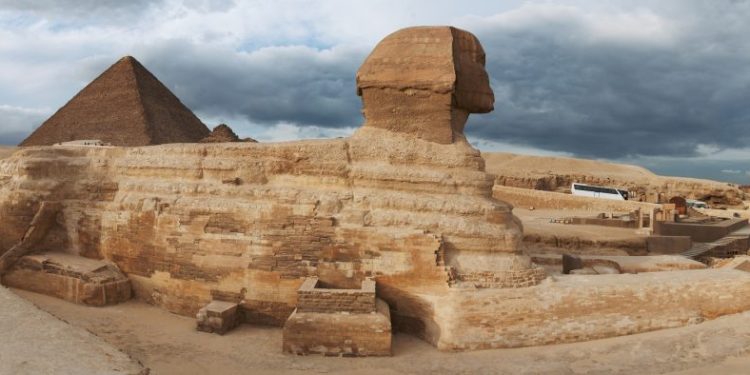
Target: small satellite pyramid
x: 125, y: 106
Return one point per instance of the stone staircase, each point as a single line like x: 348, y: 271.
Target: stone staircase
x: 736, y: 243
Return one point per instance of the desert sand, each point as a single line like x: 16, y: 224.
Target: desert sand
x: 530, y: 166
x: 6, y: 151
x: 34, y: 342
x: 168, y: 344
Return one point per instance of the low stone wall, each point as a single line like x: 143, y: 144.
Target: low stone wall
x: 69, y: 288
x: 527, y: 198
x: 72, y: 278
x: 584, y: 308
x: 614, y: 223
x: 311, y: 297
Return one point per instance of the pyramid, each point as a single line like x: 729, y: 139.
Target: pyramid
x: 125, y: 106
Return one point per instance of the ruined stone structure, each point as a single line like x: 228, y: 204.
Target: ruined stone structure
x: 338, y: 322
x: 75, y: 279
x: 125, y: 106
x: 404, y: 201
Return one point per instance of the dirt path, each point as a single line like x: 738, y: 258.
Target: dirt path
x: 33, y: 342
x: 169, y: 344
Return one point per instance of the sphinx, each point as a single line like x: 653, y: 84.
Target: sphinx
x: 405, y: 201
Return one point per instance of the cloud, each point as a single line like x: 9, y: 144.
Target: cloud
x: 617, y: 80
x: 92, y: 11
x: 14, y: 122
x: 289, y: 84
x: 617, y: 84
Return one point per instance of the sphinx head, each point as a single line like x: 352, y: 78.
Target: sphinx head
x: 425, y: 81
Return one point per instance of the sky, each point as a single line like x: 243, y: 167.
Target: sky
x: 663, y: 84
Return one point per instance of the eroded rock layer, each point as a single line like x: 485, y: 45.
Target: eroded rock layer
x: 249, y: 221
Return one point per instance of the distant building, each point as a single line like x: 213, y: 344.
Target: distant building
x: 125, y: 106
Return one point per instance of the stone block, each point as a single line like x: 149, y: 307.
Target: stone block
x: 218, y: 317
x: 570, y: 263
x: 339, y: 334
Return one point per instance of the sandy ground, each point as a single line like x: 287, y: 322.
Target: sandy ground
x: 538, y: 222
x: 730, y: 212
x: 578, y: 239
x: 34, y: 342
x: 169, y: 344
x: 6, y: 151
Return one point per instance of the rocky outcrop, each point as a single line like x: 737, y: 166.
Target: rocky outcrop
x: 558, y: 173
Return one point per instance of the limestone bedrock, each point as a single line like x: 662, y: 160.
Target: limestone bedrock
x: 406, y: 200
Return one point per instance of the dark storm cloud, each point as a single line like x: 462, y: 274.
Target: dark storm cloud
x: 561, y: 84
x: 12, y: 138
x: 299, y: 85
x: 560, y: 88
x: 644, y: 79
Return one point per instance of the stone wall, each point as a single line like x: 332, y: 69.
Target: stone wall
x: 312, y: 297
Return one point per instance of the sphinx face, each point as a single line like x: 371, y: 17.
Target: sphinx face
x: 425, y: 81
x: 472, y: 90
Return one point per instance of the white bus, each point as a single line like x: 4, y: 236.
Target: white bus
x: 695, y: 203
x: 598, y: 192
